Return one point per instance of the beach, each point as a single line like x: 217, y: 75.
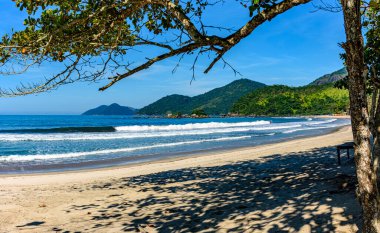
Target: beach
x: 292, y: 186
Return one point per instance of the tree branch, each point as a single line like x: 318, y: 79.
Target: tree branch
x: 185, y: 49
x: 262, y: 17
x: 177, y: 12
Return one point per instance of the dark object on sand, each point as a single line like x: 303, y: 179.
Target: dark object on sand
x: 346, y: 146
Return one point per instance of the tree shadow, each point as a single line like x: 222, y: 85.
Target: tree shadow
x: 278, y: 193
x: 32, y: 224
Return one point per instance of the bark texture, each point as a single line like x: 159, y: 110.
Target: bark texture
x: 376, y: 140
x: 366, y: 174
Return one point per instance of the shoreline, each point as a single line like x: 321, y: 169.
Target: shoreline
x: 207, y: 156
x: 142, y: 159
x: 292, y: 186
x: 339, y: 116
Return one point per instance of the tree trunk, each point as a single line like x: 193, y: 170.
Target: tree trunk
x: 367, y: 185
x: 374, y: 111
x: 376, y: 140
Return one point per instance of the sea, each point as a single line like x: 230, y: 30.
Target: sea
x: 33, y: 144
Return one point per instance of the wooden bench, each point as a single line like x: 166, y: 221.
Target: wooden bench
x: 346, y: 146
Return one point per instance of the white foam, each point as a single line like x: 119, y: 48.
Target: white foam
x: 193, y: 126
x: 156, y: 131
x: 307, y: 128
x: 135, y: 135
x: 322, y: 122
x: 12, y: 158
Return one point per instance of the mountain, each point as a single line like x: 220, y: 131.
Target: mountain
x: 216, y: 101
x: 330, y: 78
x: 113, y: 109
x: 281, y: 100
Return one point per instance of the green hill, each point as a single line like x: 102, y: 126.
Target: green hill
x: 283, y: 100
x: 216, y: 101
x: 113, y: 109
x: 171, y: 103
x: 330, y: 78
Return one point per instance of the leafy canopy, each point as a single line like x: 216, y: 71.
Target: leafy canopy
x: 93, y: 38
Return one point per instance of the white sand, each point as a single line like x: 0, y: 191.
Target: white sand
x: 292, y: 186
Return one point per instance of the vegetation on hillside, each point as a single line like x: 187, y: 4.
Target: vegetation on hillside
x: 281, y: 100
x: 331, y: 78
x: 216, y: 101
x: 113, y: 109
x: 198, y: 112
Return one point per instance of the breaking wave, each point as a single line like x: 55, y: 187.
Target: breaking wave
x: 110, y: 151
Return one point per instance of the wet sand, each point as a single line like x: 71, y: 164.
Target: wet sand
x: 293, y: 186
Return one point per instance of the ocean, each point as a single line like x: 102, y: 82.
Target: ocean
x: 30, y: 144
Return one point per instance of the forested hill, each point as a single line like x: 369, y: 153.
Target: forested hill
x: 113, y: 109
x: 216, y: 101
x: 330, y: 78
x: 283, y: 100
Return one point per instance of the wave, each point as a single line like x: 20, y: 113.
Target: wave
x: 147, y: 128
x: 134, y: 135
x: 100, y: 129
x: 322, y: 122
x: 192, y: 126
x: 308, y: 128
x: 25, y: 158
x: 134, y: 128
x: 156, y: 131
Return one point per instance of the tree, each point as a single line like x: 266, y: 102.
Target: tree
x: 372, y: 61
x: 77, y: 33
x: 199, y: 112
x: 81, y: 34
x: 366, y: 166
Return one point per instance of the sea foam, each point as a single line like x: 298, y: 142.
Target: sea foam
x: 12, y: 158
x: 193, y: 126
x: 143, y: 134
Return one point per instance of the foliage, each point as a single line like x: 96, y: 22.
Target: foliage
x: 331, y: 78
x: 372, y: 48
x: 113, y: 109
x: 93, y: 39
x: 199, y: 112
x: 216, y: 101
x: 286, y: 101
x: 371, y: 20
x: 168, y: 104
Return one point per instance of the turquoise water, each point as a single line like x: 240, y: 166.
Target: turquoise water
x: 41, y: 143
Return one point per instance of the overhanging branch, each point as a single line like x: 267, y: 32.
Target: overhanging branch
x: 185, y: 49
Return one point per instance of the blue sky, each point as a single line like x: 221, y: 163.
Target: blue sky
x: 292, y: 49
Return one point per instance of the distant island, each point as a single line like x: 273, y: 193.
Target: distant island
x: 113, y: 109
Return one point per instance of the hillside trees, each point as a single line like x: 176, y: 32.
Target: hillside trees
x: 284, y: 101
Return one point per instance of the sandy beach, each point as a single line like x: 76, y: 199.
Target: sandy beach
x: 293, y: 186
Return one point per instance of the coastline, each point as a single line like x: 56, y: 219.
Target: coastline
x: 292, y: 186
x: 127, y: 161
x: 144, y: 159
x: 208, y: 157
x: 339, y: 116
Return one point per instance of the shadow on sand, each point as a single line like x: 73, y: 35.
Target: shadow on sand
x: 292, y: 193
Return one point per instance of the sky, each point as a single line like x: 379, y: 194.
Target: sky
x: 292, y: 49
